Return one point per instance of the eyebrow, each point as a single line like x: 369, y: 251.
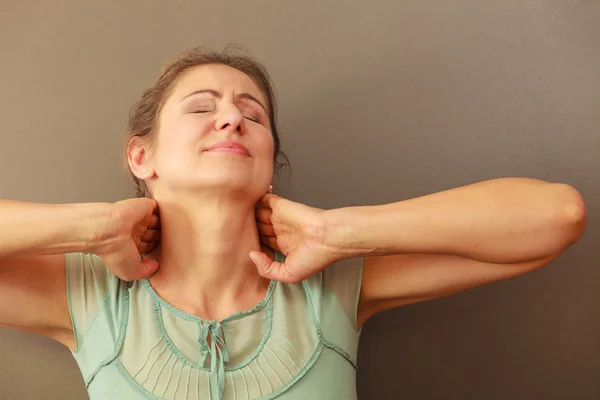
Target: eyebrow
x: 218, y: 95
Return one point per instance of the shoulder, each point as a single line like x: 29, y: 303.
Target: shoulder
x: 336, y: 289
x: 94, y: 293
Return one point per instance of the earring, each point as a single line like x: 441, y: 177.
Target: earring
x: 145, y: 171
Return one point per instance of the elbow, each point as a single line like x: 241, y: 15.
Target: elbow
x: 571, y: 215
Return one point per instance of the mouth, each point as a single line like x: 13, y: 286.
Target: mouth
x: 228, y: 146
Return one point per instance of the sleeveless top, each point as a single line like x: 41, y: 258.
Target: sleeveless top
x: 299, y: 342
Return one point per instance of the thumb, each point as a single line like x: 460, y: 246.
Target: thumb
x: 143, y: 206
x: 263, y: 263
x: 270, y: 269
x: 147, y: 268
x: 143, y: 269
x: 266, y: 267
x: 128, y: 265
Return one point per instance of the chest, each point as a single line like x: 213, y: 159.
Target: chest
x: 272, y: 351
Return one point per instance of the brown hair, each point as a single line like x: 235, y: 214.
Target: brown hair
x: 144, y: 115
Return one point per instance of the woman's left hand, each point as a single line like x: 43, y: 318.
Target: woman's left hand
x: 297, y: 231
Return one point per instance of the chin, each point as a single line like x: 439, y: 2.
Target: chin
x: 233, y: 177
x: 222, y: 178
x: 239, y: 184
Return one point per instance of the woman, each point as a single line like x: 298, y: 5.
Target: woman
x: 187, y: 304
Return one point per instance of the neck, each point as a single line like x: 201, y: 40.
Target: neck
x: 204, y: 266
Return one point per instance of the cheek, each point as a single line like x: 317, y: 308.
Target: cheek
x: 172, y: 154
x: 182, y: 137
x: 187, y: 128
x: 267, y: 145
x: 269, y: 154
x: 263, y: 147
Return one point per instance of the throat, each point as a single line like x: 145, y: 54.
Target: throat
x: 214, y: 304
x: 206, y: 291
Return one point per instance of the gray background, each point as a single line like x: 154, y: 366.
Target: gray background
x: 379, y: 101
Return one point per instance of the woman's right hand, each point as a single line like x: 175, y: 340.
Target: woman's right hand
x: 131, y: 229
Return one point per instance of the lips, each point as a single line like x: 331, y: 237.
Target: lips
x: 228, y: 146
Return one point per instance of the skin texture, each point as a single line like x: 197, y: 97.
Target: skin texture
x: 208, y: 236
x: 207, y: 199
x: 428, y: 247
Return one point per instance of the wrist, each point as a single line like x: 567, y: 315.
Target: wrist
x: 342, y: 233
x: 95, y: 229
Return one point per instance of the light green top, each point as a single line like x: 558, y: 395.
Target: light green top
x: 299, y: 342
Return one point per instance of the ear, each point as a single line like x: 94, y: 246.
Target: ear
x: 138, y: 158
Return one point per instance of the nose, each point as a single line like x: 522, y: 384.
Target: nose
x: 230, y: 119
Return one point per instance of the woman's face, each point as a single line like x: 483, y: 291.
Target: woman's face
x: 214, y: 133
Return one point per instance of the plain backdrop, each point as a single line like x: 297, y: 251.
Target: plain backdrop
x: 379, y: 101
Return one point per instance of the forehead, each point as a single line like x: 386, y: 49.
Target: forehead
x: 222, y: 78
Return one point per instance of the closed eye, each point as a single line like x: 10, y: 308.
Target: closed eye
x: 201, y: 107
x: 200, y: 110
x: 253, y: 118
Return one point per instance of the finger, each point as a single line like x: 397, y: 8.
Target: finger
x: 130, y: 265
x: 265, y: 265
x: 146, y: 268
x: 146, y: 248
x: 263, y: 214
x: 271, y: 269
x: 154, y: 221
x: 265, y: 249
x: 144, y: 205
x: 151, y: 235
x: 265, y: 229
x: 270, y: 241
x: 272, y: 246
x: 148, y: 243
x: 143, y: 269
x: 267, y: 200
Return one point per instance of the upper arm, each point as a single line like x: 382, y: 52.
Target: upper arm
x: 396, y: 280
x: 33, y: 295
x: 58, y: 296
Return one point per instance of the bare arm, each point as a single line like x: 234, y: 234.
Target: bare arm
x: 33, y: 241
x: 48, y: 229
x: 453, y: 240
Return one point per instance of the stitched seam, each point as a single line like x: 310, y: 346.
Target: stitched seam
x: 70, y: 302
x: 120, y: 339
x: 300, y: 374
x: 136, y: 386
x: 358, y: 291
x: 322, y: 339
x: 182, y: 358
x: 337, y: 301
x: 190, y: 317
x: 313, y: 359
x: 340, y: 351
